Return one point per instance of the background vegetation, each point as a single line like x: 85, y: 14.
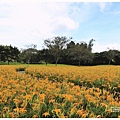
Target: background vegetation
x: 59, y: 50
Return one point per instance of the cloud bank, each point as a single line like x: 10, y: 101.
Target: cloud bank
x: 31, y: 22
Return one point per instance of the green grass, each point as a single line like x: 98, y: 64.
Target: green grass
x: 41, y: 64
x: 10, y: 63
x: 28, y: 65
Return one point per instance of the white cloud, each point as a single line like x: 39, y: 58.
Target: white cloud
x: 100, y: 48
x: 30, y: 22
x: 104, y: 6
x: 65, y: 23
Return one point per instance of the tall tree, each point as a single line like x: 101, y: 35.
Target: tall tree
x: 55, y: 46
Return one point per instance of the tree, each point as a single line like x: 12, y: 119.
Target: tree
x: 110, y: 55
x: 9, y: 53
x: 2, y: 52
x: 117, y: 57
x: 55, y: 46
x: 29, y: 55
x: 90, y: 44
x: 15, y: 53
x: 66, y: 58
x: 44, y: 55
x: 71, y: 44
x: 81, y: 53
x: 100, y: 58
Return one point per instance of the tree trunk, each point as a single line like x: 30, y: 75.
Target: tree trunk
x: 46, y: 62
x: 109, y: 62
x: 8, y: 60
x: 28, y: 63
x: 79, y: 63
x: 56, y: 61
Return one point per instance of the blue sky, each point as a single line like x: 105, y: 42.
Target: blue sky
x: 24, y: 23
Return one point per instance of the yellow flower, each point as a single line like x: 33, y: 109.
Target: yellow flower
x: 92, y: 115
x: 69, y: 97
x: 5, y: 109
x: 51, y: 101
x: 16, y: 101
x: 12, y: 115
x: 84, y: 115
x: 99, y: 116
x: 109, y: 98
x: 118, y: 85
x: 22, y: 110
x: 80, y: 112
x: 16, y: 109
x: 73, y: 110
x: 112, y: 103
x: 1, y: 93
x: 28, y: 97
x: 46, y: 114
x: 42, y: 96
x: 0, y: 101
x: 34, y: 116
x: 103, y: 104
x: 56, y: 111
x: 62, y: 116
x: 109, y: 111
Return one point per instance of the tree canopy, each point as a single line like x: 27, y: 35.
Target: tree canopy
x: 60, y: 50
x: 55, y: 46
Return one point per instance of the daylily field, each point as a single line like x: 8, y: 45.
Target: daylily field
x: 59, y: 92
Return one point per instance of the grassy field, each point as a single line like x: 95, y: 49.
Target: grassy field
x: 41, y: 91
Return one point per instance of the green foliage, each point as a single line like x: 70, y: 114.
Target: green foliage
x: 9, y: 53
x: 55, y: 46
x: 20, y: 69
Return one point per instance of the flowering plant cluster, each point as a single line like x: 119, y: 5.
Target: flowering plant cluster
x: 60, y: 92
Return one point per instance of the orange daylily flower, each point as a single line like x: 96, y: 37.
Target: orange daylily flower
x: 46, y: 114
